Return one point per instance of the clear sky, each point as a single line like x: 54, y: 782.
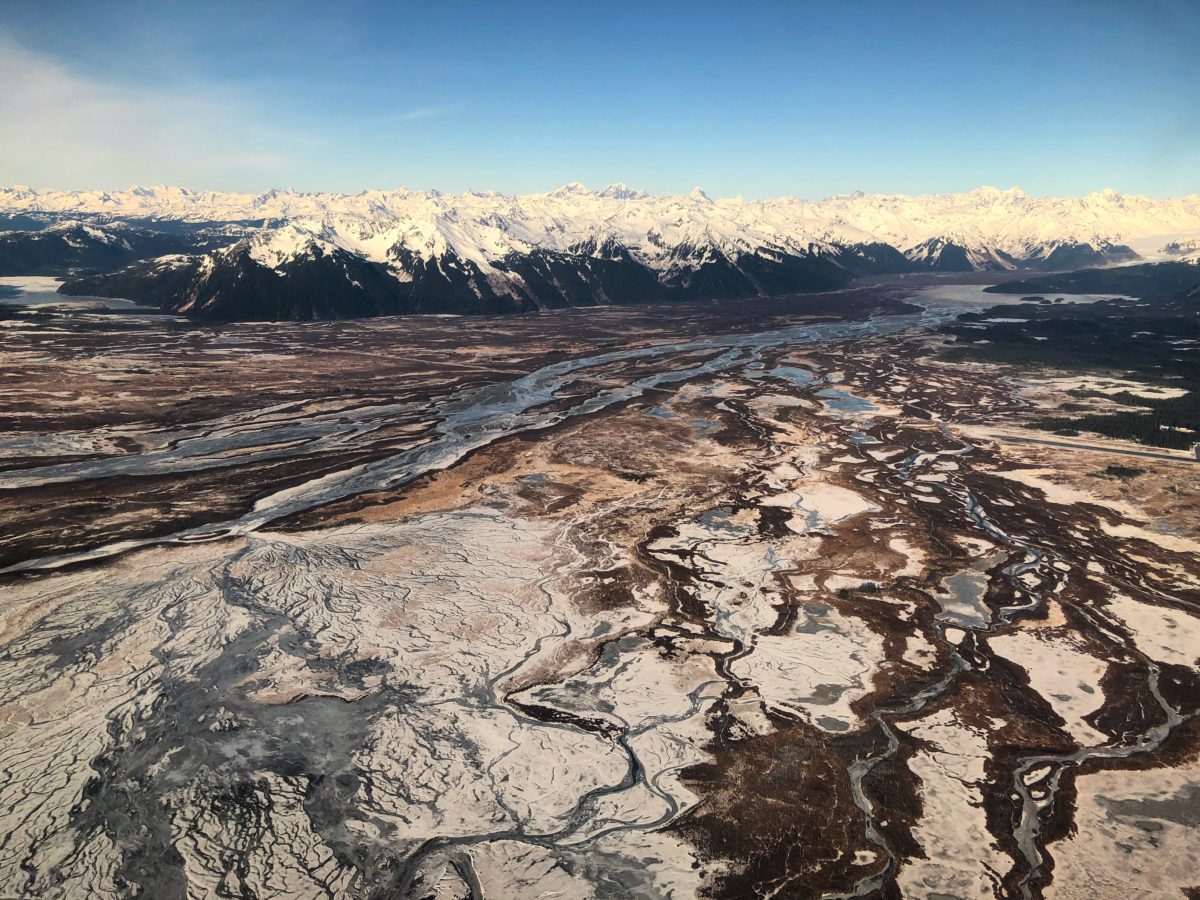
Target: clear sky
x: 757, y: 98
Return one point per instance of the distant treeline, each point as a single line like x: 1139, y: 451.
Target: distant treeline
x: 1154, y: 340
x: 1150, y: 280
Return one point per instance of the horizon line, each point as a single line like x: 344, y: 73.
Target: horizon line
x: 599, y: 192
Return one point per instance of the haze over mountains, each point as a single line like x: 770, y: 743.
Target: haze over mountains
x: 290, y: 255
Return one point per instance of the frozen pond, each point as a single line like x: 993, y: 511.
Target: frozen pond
x: 38, y: 290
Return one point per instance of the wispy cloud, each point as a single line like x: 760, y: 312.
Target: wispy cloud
x: 414, y: 115
x: 62, y: 128
x: 386, y: 118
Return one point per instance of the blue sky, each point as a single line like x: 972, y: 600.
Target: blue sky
x: 757, y: 98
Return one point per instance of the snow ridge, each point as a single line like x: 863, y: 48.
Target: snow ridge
x: 994, y: 227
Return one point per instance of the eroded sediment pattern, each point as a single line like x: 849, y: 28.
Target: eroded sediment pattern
x: 774, y: 615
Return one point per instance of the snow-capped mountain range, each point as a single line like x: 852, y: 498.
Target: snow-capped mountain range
x: 408, y: 250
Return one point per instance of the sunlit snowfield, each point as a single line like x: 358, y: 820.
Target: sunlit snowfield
x: 603, y: 603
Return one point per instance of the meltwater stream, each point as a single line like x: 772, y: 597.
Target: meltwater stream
x: 477, y: 418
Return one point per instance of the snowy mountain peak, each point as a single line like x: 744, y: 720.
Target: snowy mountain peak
x: 273, y: 247
x: 622, y: 191
x: 995, y: 194
x: 984, y: 227
x: 376, y: 252
x: 572, y: 189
